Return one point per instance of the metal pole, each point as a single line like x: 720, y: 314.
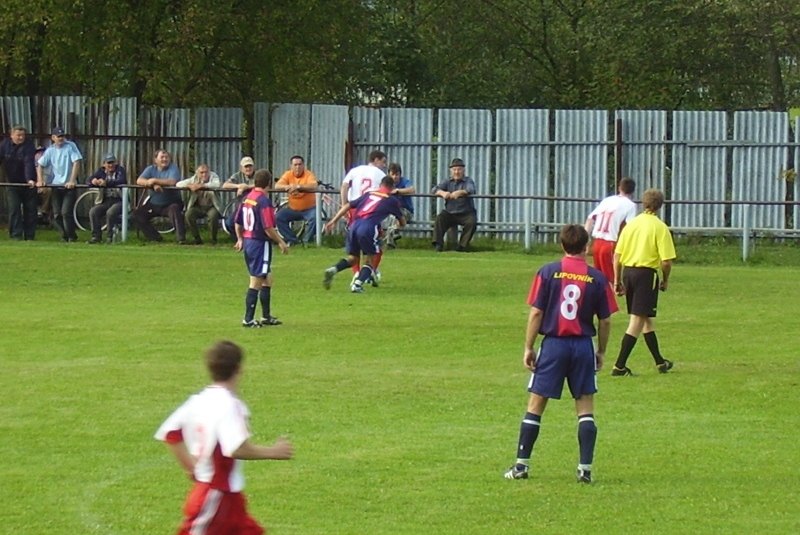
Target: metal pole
x: 125, y: 204
x: 745, y: 232
x: 528, y: 204
x: 318, y: 217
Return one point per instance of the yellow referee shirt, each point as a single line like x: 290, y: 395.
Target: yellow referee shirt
x: 645, y: 242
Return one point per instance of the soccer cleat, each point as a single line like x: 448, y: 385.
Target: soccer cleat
x: 357, y: 288
x: 517, y: 473
x: 665, y: 366
x: 326, y: 282
x: 270, y: 320
x: 252, y: 324
x: 584, y: 476
x: 624, y: 372
x: 376, y: 278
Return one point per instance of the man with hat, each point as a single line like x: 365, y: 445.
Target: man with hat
x: 242, y: 182
x: 16, y: 158
x: 459, y: 208
x: 64, y: 160
x: 108, y: 180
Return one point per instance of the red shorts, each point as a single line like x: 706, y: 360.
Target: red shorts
x: 213, y: 512
x: 603, y: 259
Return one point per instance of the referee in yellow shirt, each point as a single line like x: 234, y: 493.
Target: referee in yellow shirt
x: 644, y: 246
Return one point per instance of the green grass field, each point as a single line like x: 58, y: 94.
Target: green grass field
x: 403, y: 404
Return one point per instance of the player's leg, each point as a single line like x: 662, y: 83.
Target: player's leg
x: 254, y: 254
x: 639, y: 287
x: 528, y: 433
x: 587, y: 436
x: 265, y: 292
x: 353, y: 254
x: 582, y: 381
x: 650, y: 338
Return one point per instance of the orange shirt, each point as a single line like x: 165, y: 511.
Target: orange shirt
x: 300, y: 201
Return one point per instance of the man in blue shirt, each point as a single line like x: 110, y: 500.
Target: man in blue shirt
x: 16, y: 158
x: 402, y: 187
x: 164, y: 201
x: 64, y: 160
x: 458, y: 208
x: 362, y: 236
x: 565, y: 297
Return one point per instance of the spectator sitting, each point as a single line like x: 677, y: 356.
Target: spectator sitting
x: 162, y: 202
x: 242, y: 182
x: 107, y: 179
x: 202, y: 202
x: 404, y: 188
x: 300, y: 184
x: 459, y: 208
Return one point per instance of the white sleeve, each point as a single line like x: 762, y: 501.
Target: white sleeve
x: 232, y: 428
x: 174, y: 423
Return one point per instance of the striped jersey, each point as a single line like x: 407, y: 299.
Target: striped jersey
x: 255, y: 215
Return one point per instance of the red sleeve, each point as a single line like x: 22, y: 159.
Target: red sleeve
x: 535, y: 286
x: 268, y: 217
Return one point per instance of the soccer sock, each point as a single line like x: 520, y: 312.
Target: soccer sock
x: 625, y: 349
x: 376, y: 260
x: 528, y: 433
x: 264, y: 296
x: 341, y: 265
x: 365, y: 274
x: 587, y: 436
x: 652, y: 344
x: 250, y: 301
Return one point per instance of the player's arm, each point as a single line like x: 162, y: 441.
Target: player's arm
x: 344, y: 189
x: 589, y: 225
x: 343, y: 210
x: 603, y: 331
x: 534, y: 324
x: 275, y: 237
x: 282, y: 450
x: 619, y: 289
x: 666, y: 269
x: 185, y: 459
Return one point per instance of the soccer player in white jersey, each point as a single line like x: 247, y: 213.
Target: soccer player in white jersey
x: 357, y: 182
x: 209, y: 436
x: 604, y: 225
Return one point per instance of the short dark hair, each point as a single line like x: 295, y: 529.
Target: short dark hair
x: 376, y: 155
x: 223, y: 360
x: 627, y: 185
x: 18, y: 128
x: 394, y: 168
x: 387, y: 182
x: 574, y: 239
x: 297, y: 157
x: 262, y: 179
x: 653, y: 199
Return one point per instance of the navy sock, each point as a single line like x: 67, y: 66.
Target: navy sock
x: 587, y: 436
x: 365, y: 274
x: 528, y: 433
x: 341, y: 265
x: 250, y: 301
x: 264, y: 296
x: 652, y: 344
x: 625, y: 349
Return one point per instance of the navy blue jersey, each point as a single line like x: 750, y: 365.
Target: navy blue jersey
x: 255, y: 215
x: 375, y: 206
x: 571, y: 294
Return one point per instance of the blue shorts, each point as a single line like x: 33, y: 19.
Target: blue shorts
x: 258, y: 257
x: 571, y: 358
x: 362, y: 240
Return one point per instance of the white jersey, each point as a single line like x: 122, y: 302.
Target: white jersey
x: 362, y: 179
x: 213, y: 424
x: 610, y: 215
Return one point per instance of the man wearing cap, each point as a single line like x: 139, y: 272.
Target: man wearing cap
x: 458, y: 207
x: 64, y: 160
x: 242, y: 182
x: 165, y: 201
x: 299, y: 183
x: 108, y: 180
x: 16, y: 159
x: 203, y: 202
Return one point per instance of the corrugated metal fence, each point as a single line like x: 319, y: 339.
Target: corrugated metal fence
x: 565, y: 159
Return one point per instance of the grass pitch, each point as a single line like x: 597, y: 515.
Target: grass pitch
x: 403, y: 404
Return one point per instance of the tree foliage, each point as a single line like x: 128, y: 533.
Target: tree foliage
x: 666, y: 54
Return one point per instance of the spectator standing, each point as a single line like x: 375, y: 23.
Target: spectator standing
x: 299, y: 183
x: 164, y: 201
x: 64, y: 160
x: 17, y: 160
x: 459, y: 208
x: 107, y: 180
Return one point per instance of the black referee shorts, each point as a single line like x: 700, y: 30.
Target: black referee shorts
x: 641, y: 290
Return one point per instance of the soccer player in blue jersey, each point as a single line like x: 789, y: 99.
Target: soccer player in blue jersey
x: 255, y: 234
x: 362, y: 236
x: 565, y: 297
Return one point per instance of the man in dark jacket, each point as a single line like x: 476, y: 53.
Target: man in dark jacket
x: 16, y: 158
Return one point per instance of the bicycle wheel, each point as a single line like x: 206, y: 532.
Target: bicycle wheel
x: 80, y: 212
x: 227, y: 212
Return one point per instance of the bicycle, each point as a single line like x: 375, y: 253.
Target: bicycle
x: 88, y: 199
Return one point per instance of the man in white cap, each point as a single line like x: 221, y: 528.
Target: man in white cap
x: 242, y: 182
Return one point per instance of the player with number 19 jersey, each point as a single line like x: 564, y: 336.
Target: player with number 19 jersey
x: 571, y: 294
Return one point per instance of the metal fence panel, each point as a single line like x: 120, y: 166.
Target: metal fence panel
x: 221, y: 155
x: 522, y: 166
x: 160, y: 128
x: 698, y: 169
x: 581, y: 162
x: 291, y: 135
x: 796, y: 208
x: 466, y: 134
x: 110, y: 122
x: 367, y: 135
x: 329, y: 134
x: 407, y: 136
x: 643, y: 153
x: 16, y: 111
x: 757, y: 169
x: 261, y: 137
